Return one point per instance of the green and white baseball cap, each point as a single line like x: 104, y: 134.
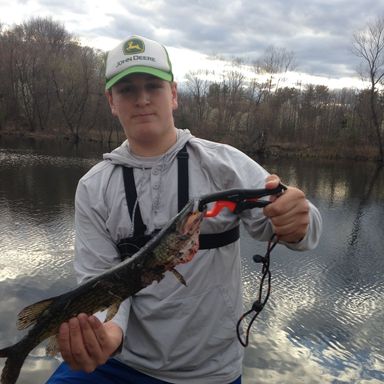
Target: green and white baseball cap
x: 137, y: 54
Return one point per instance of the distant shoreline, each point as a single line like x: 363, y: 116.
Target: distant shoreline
x: 274, y: 149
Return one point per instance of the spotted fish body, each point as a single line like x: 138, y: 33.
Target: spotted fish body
x: 176, y: 243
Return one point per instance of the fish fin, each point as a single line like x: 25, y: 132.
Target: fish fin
x: 52, y: 348
x: 112, y: 310
x: 30, y: 314
x: 178, y: 276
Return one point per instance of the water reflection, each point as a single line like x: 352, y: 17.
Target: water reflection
x: 325, y: 312
x: 37, y: 369
x: 323, y: 321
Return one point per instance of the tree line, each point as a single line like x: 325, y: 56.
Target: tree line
x: 52, y: 85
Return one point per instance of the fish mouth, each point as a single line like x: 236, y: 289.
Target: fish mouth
x: 191, y: 230
x: 191, y: 218
x: 192, y: 223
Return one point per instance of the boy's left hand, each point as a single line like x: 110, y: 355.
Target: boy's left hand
x: 289, y: 213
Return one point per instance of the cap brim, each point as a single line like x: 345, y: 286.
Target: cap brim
x: 139, y: 69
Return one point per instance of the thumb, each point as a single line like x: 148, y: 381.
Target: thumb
x: 272, y: 181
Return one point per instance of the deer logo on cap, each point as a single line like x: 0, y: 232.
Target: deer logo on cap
x: 133, y: 46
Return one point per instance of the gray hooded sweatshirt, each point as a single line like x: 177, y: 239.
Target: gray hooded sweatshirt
x: 176, y: 333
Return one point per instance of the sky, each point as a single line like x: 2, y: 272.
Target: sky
x: 318, y: 32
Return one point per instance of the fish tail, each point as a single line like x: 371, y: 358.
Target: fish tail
x: 13, y: 364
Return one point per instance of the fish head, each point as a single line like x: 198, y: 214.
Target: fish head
x: 188, y: 232
x: 192, y: 222
x: 179, y: 242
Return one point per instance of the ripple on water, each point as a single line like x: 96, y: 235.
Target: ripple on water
x: 15, y: 159
x: 323, y: 322
x: 330, y: 310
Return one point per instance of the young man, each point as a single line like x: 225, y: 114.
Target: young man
x: 167, y: 333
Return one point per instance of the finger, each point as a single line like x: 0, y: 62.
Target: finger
x: 272, y: 181
x: 91, y: 342
x: 109, y: 335
x: 65, y: 345
x: 99, y: 332
x: 291, y: 227
x: 76, y: 344
x: 291, y: 201
x: 293, y: 235
x: 289, y: 215
x: 281, y: 205
x: 63, y: 340
x: 80, y: 357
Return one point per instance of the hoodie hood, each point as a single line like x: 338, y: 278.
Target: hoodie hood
x: 122, y: 155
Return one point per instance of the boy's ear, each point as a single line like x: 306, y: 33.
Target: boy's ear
x: 108, y: 94
x: 174, y: 95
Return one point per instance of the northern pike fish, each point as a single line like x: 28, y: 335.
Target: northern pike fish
x: 176, y: 243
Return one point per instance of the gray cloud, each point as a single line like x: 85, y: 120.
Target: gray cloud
x: 319, y: 32
x: 58, y: 7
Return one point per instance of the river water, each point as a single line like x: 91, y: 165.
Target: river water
x: 323, y: 322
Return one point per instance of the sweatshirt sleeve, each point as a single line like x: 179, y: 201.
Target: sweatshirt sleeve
x: 95, y: 250
x: 234, y: 169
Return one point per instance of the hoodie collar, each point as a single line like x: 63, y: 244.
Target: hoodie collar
x: 123, y: 156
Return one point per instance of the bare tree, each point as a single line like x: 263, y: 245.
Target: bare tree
x: 26, y: 52
x: 368, y: 44
x: 275, y: 63
x: 73, y: 79
x: 198, y: 86
x: 234, y: 81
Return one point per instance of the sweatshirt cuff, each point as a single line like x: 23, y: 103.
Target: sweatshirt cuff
x: 121, y: 317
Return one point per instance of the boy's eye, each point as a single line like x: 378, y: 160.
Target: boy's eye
x: 154, y: 85
x: 126, y: 89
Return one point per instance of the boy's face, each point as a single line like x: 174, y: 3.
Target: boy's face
x: 144, y: 105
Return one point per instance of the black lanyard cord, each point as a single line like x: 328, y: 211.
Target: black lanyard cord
x: 260, y: 302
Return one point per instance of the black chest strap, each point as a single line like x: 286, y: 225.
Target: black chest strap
x: 130, y: 245
x: 133, y: 205
x: 217, y: 240
x: 182, y: 178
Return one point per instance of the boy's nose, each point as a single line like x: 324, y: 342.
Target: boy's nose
x: 142, y: 97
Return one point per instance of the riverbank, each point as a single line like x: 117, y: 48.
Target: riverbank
x: 275, y: 150
x: 337, y: 152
